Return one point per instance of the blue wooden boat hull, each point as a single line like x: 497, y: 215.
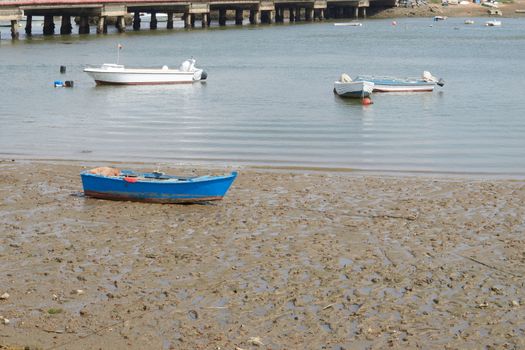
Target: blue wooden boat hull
x: 386, y: 84
x: 149, y: 188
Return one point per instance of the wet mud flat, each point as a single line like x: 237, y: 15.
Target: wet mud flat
x: 286, y: 261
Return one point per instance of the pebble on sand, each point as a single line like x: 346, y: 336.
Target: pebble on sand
x: 255, y: 341
x: 4, y: 296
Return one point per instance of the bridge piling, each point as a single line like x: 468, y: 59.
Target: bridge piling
x: 14, y: 29
x: 239, y: 17
x: 169, y: 24
x: 121, y: 24
x: 101, y: 23
x: 309, y: 14
x: 186, y: 17
x: 29, y: 23
x: 65, y: 27
x: 153, y: 21
x: 278, y: 15
x: 49, y: 25
x: 136, y: 20
x: 83, y: 26
x: 256, y: 17
x: 222, y: 17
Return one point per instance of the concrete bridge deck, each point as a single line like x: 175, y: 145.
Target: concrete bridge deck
x: 260, y: 11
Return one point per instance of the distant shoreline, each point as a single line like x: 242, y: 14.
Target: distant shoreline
x: 508, y: 10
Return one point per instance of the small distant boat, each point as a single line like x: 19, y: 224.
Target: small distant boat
x: 345, y: 87
x: 389, y: 84
x: 117, y: 74
x: 350, y: 24
x: 469, y: 21
x: 440, y: 18
x: 156, y: 187
x: 493, y: 23
x: 493, y: 4
x: 160, y: 17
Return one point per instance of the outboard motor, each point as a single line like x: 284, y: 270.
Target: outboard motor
x: 345, y: 78
x: 188, y: 65
x: 204, y: 75
x: 440, y: 82
x: 427, y: 76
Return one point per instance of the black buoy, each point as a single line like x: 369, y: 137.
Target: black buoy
x: 62, y: 69
x: 69, y: 83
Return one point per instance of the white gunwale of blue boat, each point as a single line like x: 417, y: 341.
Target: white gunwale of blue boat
x: 392, y: 84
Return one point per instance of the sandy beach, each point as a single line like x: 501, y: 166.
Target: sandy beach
x: 288, y: 260
x: 507, y: 9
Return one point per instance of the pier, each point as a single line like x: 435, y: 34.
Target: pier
x: 102, y: 11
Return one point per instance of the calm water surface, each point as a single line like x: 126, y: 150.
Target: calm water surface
x: 269, y: 101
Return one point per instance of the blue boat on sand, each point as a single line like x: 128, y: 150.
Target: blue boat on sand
x: 155, y: 187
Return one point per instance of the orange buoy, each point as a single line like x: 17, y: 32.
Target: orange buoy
x: 366, y: 101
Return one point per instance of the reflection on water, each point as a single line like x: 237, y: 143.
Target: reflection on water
x: 269, y: 100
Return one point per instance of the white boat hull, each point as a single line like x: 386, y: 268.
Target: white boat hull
x: 403, y: 88
x: 160, y: 17
x: 356, y: 89
x: 493, y: 23
x: 348, y: 24
x: 118, y: 75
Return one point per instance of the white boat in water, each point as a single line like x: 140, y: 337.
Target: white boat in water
x: 389, y: 84
x: 345, y: 87
x: 160, y: 17
x: 493, y: 23
x: 116, y: 74
x: 348, y: 24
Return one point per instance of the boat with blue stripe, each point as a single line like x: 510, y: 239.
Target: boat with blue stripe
x: 155, y: 187
x: 390, y: 84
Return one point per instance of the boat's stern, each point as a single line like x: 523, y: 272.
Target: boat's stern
x: 199, y: 75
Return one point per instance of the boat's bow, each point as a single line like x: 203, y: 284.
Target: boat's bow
x: 346, y: 87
